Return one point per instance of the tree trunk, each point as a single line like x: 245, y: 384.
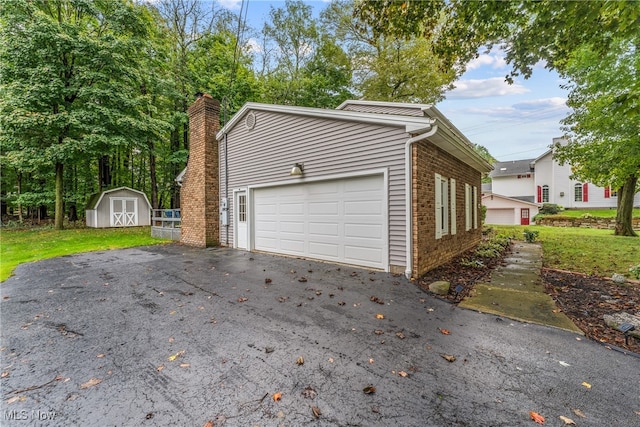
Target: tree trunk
x: 152, y: 173
x: 59, y: 221
x: 20, y: 218
x: 624, y: 215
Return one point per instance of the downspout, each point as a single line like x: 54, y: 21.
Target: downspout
x: 409, y: 197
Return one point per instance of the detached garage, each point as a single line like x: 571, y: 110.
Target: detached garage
x: 382, y: 185
x: 503, y: 210
x: 119, y: 207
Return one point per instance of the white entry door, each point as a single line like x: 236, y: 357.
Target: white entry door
x: 124, y: 212
x: 240, y: 219
x: 342, y: 220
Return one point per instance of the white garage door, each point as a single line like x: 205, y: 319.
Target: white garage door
x: 338, y: 220
x: 500, y: 216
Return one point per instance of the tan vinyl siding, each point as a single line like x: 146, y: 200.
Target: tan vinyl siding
x: 265, y: 154
x: 403, y: 111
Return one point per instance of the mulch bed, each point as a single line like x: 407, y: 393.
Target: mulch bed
x: 584, y: 299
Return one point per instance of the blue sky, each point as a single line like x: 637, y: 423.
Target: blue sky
x: 515, y: 121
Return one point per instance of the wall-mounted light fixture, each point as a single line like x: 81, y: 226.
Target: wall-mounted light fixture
x: 297, y: 169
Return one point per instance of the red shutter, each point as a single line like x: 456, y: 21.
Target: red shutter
x: 607, y: 192
x: 539, y: 194
x: 585, y: 192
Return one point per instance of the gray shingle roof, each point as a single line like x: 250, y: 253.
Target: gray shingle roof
x: 513, y: 167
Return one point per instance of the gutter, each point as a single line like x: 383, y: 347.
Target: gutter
x: 409, y: 196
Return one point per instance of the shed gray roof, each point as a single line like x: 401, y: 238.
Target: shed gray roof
x: 95, y: 199
x: 513, y: 167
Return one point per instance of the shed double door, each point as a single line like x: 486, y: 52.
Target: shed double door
x: 123, y: 212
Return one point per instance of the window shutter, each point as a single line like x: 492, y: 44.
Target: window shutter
x: 585, y: 192
x: 452, y: 202
x: 467, y: 207
x: 475, y: 207
x: 607, y: 192
x: 438, y: 188
x: 539, y: 194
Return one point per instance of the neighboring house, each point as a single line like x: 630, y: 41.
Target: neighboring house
x: 332, y: 184
x: 119, y: 207
x: 507, y: 211
x: 544, y: 180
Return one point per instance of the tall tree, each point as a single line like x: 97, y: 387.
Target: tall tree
x: 604, y: 125
x: 69, y: 76
x: 558, y: 33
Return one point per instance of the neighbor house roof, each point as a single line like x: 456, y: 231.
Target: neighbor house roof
x: 512, y: 199
x: 513, y: 167
x: 447, y: 137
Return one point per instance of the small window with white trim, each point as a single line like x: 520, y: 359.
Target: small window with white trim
x: 242, y: 208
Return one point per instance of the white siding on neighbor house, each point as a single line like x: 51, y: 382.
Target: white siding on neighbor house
x: 512, y: 186
x: 328, y: 148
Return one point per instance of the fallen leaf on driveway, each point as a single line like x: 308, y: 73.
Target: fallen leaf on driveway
x: 341, y: 303
x: 586, y: 384
x: 267, y: 281
x: 379, y: 316
x: 444, y: 331
x: 185, y: 365
x: 243, y: 299
x: 371, y: 361
x: 330, y: 360
x: 403, y: 374
x: 302, y: 279
x: 175, y: 356
x: 375, y: 299
x: 448, y: 357
x: 277, y: 396
x: 91, y: 383
x: 369, y: 389
x: 378, y: 332
x: 316, y: 411
x: 567, y: 421
x: 208, y: 424
x: 160, y: 368
x: 536, y: 417
x: 563, y: 363
x: 579, y: 413
x: 300, y: 361
x: 100, y: 356
x: 4, y: 374
x: 400, y: 335
x: 309, y: 393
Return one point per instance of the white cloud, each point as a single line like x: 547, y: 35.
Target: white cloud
x: 494, y: 86
x: 230, y: 4
x: 535, y: 110
x: 253, y: 46
x: 494, y: 60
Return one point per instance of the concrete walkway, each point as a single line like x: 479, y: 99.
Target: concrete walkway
x: 515, y: 290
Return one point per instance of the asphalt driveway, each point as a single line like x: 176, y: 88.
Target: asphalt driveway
x: 177, y: 336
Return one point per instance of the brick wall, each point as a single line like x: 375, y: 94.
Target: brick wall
x: 429, y: 252
x: 199, y: 199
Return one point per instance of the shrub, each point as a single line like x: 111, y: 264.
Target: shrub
x: 549, y: 209
x: 530, y: 236
x: 635, y: 271
x: 472, y: 263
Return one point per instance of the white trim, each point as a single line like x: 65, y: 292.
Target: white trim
x: 382, y: 104
x: 412, y: 124
x: 385, y: 203
x: 475, y: 207
x: 467, y: 207
x: 236, y: 193
x: 118, y: 189
x: 452, y: 203
x: 125, y: 219
x: 489, y: 196
x: 438, y: 212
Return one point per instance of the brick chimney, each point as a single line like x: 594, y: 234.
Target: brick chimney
x: 199, y: 196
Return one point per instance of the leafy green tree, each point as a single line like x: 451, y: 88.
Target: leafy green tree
x: 569, y: 37
x: 303, y: 65
x: 69, y: 73
x: 604, y: 125
x: 387, y: 67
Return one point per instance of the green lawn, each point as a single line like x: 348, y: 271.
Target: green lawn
x: 20, y: 246
x: 583, y: 250
x: 599, y: 213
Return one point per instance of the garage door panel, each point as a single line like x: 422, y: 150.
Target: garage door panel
x: 500, y: 216
x: 363, y: 230
x: 362, y: 255
x: 324, y: 250
x: 330, y: 229
x: 337, y: 220
x: 364, y: 207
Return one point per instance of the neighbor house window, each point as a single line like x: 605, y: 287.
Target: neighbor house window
x: 581, y: 192
x: 609, y: 192
x: 545, y: 194
x: 442, y: 206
